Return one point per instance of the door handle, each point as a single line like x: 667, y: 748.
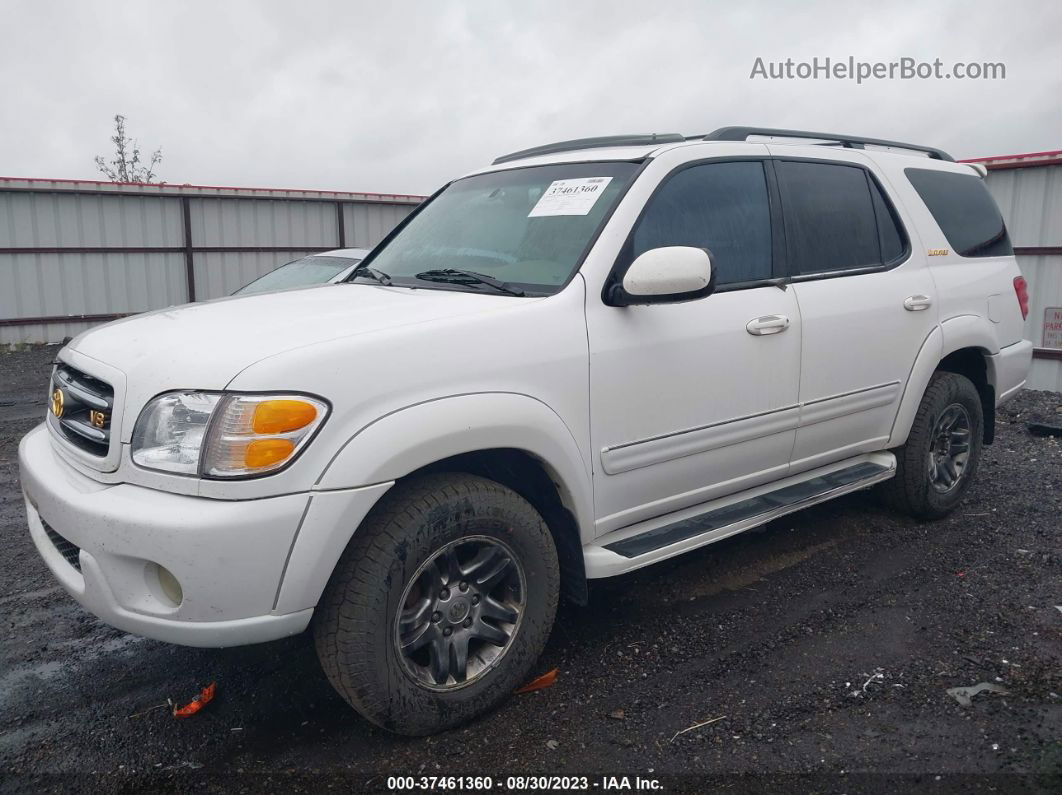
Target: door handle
x: 768, y: 324
x: 916, y: 303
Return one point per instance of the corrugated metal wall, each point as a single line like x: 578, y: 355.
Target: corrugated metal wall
x: 73, y: 254
x: 1030, y: 198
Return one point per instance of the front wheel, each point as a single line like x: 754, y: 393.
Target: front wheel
x: 937, y: 464
x: 440, y: 605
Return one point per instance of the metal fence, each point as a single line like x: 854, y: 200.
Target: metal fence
x: 1028, y: 189
x: 73, y: 253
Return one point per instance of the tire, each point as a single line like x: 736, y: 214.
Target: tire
x: 393, y: 566
x: 920, y: 487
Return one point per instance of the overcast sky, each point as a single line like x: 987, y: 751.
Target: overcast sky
x: 401, y: 96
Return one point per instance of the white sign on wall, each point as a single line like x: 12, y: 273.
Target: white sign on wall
x: 1052, y: 337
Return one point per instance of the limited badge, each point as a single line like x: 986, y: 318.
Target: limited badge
x: 57, y: 402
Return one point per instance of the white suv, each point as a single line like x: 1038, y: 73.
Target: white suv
x: 584, y: 359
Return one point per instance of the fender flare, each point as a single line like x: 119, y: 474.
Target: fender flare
x: 969, y: 331
x: 405, y: 440
x: 964, y: 331
x: 410, y: 438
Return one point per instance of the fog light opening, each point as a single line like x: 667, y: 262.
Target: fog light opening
x: 169, y: 585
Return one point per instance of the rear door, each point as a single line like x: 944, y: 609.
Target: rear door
x: 867, y: 303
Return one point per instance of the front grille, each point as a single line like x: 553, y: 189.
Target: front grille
x: 81, y: 408
x: 71, y: 552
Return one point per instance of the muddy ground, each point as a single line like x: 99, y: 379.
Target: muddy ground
x: 824, y: 645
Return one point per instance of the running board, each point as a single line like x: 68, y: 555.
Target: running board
x: 631, y: 549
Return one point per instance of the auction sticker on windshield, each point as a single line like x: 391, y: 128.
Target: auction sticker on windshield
x: 570, y: 196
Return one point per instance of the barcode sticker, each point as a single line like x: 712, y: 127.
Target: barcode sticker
x: 570, y: 197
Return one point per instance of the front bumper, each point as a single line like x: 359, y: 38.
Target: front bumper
x: 227, y: 556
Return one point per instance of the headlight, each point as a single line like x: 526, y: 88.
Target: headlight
x: 169, y: 434
x: 224, y: 436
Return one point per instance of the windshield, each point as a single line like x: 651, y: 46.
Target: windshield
x: 527, y: 227
x: 300, y: 273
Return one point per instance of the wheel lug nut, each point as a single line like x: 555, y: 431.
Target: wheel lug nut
x: 464, y: 586
x: 444, y: 593
x: 448, y: 632
x: 475, y: 600
x: 467, y: 623
x: 436, y: 617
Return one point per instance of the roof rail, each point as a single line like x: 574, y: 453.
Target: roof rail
x: 847, y: 141
x: 592, y: 143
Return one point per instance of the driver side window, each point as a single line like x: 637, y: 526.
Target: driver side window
x: 723, y: 207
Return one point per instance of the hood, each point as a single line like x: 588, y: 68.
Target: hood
x: 204, y: 345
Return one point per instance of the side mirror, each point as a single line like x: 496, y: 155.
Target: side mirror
x: 665, y: 275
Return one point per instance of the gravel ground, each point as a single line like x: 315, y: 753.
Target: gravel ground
x: 823, y: 644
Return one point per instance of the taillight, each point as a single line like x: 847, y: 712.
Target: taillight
x: 1021, y: 289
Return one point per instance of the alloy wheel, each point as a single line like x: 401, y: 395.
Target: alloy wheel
x: 459, y: 612
x: 949, y: 448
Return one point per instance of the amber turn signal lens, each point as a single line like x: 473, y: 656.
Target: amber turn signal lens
x: 266, y: 452
x: 281, y: 416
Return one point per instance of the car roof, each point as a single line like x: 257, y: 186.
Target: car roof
x: 879, y: 155
x: 640, y: 147
x: 348, y: 253
x: 617, y: 153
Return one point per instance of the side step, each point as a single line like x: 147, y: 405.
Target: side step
x: 741, y: 512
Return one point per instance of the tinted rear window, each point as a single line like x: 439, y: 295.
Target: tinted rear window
x: 893, y: 241
x: 964, y: 210
x: 830, y: 222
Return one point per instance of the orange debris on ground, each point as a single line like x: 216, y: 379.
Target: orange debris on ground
x: 544, y: 681
x: 206, y: 695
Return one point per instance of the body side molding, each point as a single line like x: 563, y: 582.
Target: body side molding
x: 623, y: 457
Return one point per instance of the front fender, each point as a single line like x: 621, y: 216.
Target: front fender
x: 413, y: 437
x: 410, y: 438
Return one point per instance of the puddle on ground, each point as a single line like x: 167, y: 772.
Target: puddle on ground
x: 95, y: 649
x: 74, y: 653
x: 747, y: 575
x: 31, y: 596
x: 16, y: 676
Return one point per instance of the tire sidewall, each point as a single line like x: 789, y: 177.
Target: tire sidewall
x: 958, y: 390
x: 494, y: 513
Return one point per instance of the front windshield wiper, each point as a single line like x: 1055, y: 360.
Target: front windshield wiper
x: 458, y: 276
x: 372, y: 273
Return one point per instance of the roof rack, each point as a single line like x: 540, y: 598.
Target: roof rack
x: 847, y: 141
x: 594, y: 143
x: 722, y: 134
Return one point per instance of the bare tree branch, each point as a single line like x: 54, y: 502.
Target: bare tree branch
x: 126, y: 166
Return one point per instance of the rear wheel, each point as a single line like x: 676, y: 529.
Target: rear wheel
x: 440, y: 605
x: 937, y: 464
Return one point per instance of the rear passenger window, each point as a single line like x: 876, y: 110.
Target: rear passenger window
x: 836, y: 219
x: 719, y: 206
x: 964, y: 210
x: 893, y: 242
